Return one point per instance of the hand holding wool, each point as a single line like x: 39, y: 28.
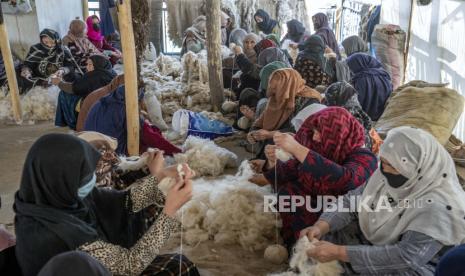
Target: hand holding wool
x: 326, y: 252
x: 156, y: 163
x: 262, y: 134
x: 270, y: 153
x: 237, y: 50
x: 286, y: 142
x: 179, y: 194
x: 257, y: 165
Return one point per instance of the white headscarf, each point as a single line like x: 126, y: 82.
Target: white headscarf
x: 300, y: 118
x: 432, y: 179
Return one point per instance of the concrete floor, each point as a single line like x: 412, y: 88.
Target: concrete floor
x: 15, y: 142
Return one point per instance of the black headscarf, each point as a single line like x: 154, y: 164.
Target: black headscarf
x: 102, y: 75
x: 249, y: 97
x: 320, y: 21
x: 295, y: 29
x: 50, y: 217
x: 313, y: 49
x: 74, y: 263
x: 268, y: 24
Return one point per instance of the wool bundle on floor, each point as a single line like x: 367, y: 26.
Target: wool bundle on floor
x: 169, y: 66
x: 205, y: 157
x: 229, y: 211
x: 39, y: 104
x: 195, y: 67
x: 301, y: 264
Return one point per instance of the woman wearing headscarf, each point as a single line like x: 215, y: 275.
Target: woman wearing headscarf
x: 249, y: 71
x: 266, y: 24
x: 99, y: 73
x: 296, y: 32
x: 108, y: 116
x: 272, y: 54
x: 372, y: 83
x: 354, y: 44
x: 45, y: 59
x: 451, y: 264
x: 325, y: 162
x: 95, y: 36
x: 249, y: 42
x: 236, y: 38
x: 59, y: 209
x: 287, y: 94
x: 344, y: 95
x: 194, y: 36
x: 312, y: 64
x: 80, y: 46
x: 409, y: 209
x: 321, y: 25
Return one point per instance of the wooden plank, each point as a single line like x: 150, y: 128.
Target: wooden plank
x: 10, y: 70
x: 130, y: 75
x: 85, y: 9
x: 215, y: 73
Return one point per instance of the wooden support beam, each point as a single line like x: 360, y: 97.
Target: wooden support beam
x: 130, y: 75
x: 214, y: 53
x: 85, y: 9
x: 10, y: 70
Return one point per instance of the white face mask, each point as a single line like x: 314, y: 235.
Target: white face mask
x: 87, y: 188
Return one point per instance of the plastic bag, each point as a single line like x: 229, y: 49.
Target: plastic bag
x: 189, y: 123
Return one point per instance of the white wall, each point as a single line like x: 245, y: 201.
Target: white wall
x: 436, y: 51
x: 23, y: 31
x: 57, y: 14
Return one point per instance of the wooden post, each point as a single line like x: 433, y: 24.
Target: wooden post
x: 130, y: 75
x: 407, y: 43
x: 10, y: 70
x: 214, y: 53
x: 85, y: 9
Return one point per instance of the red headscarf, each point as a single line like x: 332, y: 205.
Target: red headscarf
x: 340, y: 133
x: 91, y: 33
x: 264, y: 44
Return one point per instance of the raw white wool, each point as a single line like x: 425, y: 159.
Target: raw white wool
x: 150, y: 52
x: 243, y: 122
x: 205, y: 157
x: 230, y: 210
x: 229, y: 106
x: 276, y: 253
x: 155, y: 112
x: 39, y: 104
x: 283, y: 155
x: 195, y: 67
x: 307, y: 266
x: 169, y: 66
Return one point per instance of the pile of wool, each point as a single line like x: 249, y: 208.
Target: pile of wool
x: 196, y: 93
x: 218, y: 116
x: 205, y: 157
x: 39, y: 104
x: 169, y: 66
x: 301, y: 264
x: 229, y: 211
x: 168, y: 109
x: 195, y: 67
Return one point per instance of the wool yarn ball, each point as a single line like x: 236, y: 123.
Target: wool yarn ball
x: 243, y: 123
x: 283, y: 155
x: 229, y: 106
x: 276, y: 254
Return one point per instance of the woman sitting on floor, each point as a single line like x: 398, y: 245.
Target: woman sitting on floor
x: 266, y: 24
x: 372, y: 83
x: 287, y: 94
x: 96, y: 37
x: 328, y: 159
x: 108, y: 116
x: 99, y: 73
x: 45, y: 59
x: 344, y: 95
x: 312, y: 64
x: 80, y: 46
x: 413, y: 206
x: 59, y: 209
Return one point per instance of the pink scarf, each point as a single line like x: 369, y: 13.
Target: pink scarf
x: 91, y: 33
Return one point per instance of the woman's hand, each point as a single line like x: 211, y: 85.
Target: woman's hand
x: 262, y: 134
x: 316, y: 231
x: 257, y: 165
x: 178, y: 195
x: 259, y: 180
x: 326, y: 252
x: 237, y: 50
x: 55, y: 80
x: 156, y: 163
x: 270, y: 153
x: 251, y: 138
x: 247, y: 111
x: 286, y: 142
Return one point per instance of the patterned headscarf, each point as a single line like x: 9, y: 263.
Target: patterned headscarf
x: 340, y: 133
x: 263, y: 44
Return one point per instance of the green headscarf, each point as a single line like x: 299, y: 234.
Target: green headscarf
x: 267, y: 70
x: 275, y: 38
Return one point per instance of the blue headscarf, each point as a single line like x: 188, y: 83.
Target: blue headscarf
x: 372, y: 82
x: 108, y: 116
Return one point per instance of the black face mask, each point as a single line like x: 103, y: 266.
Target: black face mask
x: 96, y: 27
x: 394, y: 180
